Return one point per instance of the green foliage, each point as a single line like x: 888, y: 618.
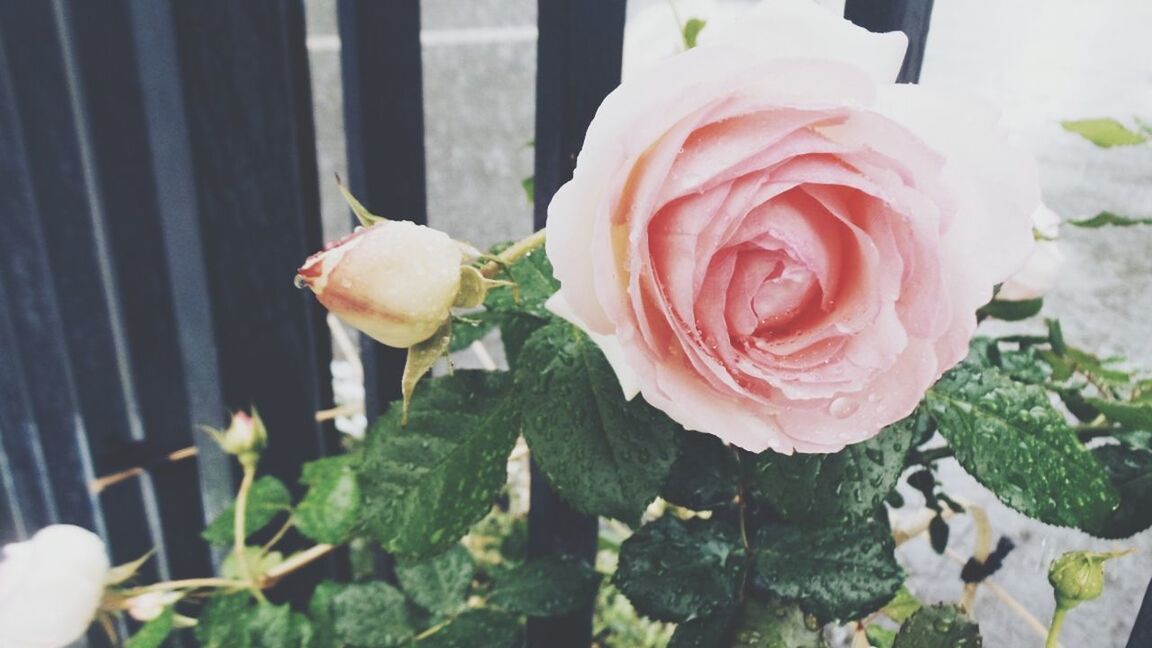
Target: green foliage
x: 775, y: 625
x: 673, y: 569
x: 708, y: 631
x: 366, y: 615
x: 545, y: 587
x: 438, y: 584
x: 817, y: 489
x: 692, y: 28
x: 939, y: 626
x: 277, y: 626
x: 835, y: 572
x: 902, y: 606
x: 329, y: 511
x: 1135, y: 415
x: 1011, y: 311
x: 481, y: 628
x: 1105, y: 132
x: 1009, y: 437
x: 425, y: 483
x: 223, y: 623
x: 603, y: 454
x: 517, y: 311
x: 1130, y: 470
x: 705, y: 473
x: 268, y: 497
x: 153, y: 633
x: 1104, y: 219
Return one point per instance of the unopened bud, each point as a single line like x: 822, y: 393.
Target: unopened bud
x: 396, y: 281
x: 150, y: 605
x: 245, y: 436
x: 1078, y: 576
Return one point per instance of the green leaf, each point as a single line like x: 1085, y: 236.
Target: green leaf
x: 153, y: 633
x: 257, y: 562
x: 545, y: 587
x: 1133, y: 415
x: 529, y: 186
x: 481, y: 628
x: 672, y: 569
x: 604, y: 455
x: 939, y: 626
x: 1009, y: 437
x: 223, y: 623
x: 268, y: 497
x: 902, y: 606
x: 440, y: 583
x: 424, y: 484
x: 1105, y: 132
x: 692, y: 29
x: 364, y: 615
x: 708, y: 631
x: 1011, y: 311
x: 329, y: 511
x: 1104, y: 219
x: 836, y: 572
x: 879, y: 636
x: 1131, y: 473
x: 819, y: 488
x: 705, y: 474
x: 277, y: 626
x: 775, y: 625
x: 535, y: 283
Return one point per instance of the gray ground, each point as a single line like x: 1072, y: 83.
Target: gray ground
x: 1048, y: 61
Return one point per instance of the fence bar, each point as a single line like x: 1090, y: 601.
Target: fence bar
x: 578, y: 64
x: 248, y: 118
x: 384, y: 132
x: 909, y: 16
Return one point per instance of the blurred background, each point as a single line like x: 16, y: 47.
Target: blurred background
x: 1043, y: 61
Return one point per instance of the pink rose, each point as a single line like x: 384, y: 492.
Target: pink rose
x: 775, y: 243
x: 1042, y: 269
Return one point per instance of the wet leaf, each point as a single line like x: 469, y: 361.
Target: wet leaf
x: 267, y: 497
x: 673, y: 570
x: 604, y: 455
x: 705, y: 473
x: 939, y: 626
x: 424, y: 484
x: 477, y: 628
x: 1131, y: 472
x: 1011, y: 311
x: 835, y: 572
x: 440, y: 583
x: 850, y: 484
x: 330, y: 509
x: 1105, y: 132
x: 1009, y: 437
x: 364, y: 615
x: 153, y: 633
x: 545, y: 587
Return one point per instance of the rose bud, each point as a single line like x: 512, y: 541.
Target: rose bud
x: 1078, y: 576
x: 51, y: 587
x: 396, y: 281
x: 246, y: 435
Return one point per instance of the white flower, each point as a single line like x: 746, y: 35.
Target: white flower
x: 1040, y: 272
x: 50, y: 587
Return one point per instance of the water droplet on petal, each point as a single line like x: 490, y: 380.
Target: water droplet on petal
x: 843, y: 407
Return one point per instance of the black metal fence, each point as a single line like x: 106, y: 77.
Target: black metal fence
x: 158, y: 188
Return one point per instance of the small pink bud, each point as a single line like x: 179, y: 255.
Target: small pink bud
x: 396, y: 281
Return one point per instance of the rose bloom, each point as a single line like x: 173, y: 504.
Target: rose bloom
x: 50, y: 587
x: 778, y: 245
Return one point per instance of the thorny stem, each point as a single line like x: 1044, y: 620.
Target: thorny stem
x: 189, y: 583
x: 742, y: 514
x: 238, y: 527
x: 513, y: 253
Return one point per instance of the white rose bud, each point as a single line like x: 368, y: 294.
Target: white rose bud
x: 396, y: 281
x: 51, y: 587
x: 246, y: 434
x: 1040, y: 272
x: 151, y: 605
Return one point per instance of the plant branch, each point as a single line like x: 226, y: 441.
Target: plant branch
x: 188, y: 583
x: 295, y: 562
x: 238, y: 526
x: 513, y: 253
x: 1058, y: 616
